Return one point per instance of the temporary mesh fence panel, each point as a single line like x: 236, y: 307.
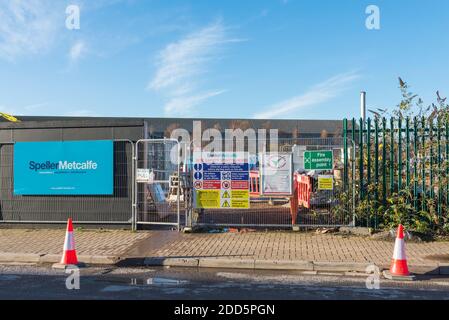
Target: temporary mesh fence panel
x: 324, y: 201
x: 115, y: 208
x: 158, y: 190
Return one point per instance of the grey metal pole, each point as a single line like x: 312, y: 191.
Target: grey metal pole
x: 363, y: 105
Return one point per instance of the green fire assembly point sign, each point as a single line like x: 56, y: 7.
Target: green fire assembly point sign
x: 318, y: 160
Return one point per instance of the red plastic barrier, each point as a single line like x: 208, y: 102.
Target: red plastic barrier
x: 304, y: 187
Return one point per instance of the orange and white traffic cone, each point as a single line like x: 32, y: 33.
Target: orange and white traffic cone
x: 69, y: 257
x: 399, y: 267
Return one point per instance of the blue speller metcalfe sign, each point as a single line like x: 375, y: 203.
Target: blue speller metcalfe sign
x: 64, y: 168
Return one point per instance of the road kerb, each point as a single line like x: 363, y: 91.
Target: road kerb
x: 283, y: 265
x: 226, y: 263
x: 50, y: 258
x: 171, y: 262
x: 19, y: 257
x: 11, y: 258
x: 100, y: 260
x: 213, y: 262
x: 340, y: 266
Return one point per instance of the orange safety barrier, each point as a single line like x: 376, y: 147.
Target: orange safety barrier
x: 304, y: 187
x: 254, y: 183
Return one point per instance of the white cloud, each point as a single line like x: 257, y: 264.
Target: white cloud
x: 180, y: 61
x: 183, y: 105
x: 77, y: 50
x: 30, y: 27
x: 318, y: 94
x: 180, y: 64
x: 27, y: 27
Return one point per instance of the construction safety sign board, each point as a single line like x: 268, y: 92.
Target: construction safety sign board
x: 143, y: 175
x: 276, y: 171
x: 325, y: 182
x: 221, y: 184
x: 318, y: 160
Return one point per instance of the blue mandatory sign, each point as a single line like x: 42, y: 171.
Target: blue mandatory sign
x: 226, y: 175
x: 240, y: 176
x: 198, y: 175
x: 198, y: 166
x: 211, y: 175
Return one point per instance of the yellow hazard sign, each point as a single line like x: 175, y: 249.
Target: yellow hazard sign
x: 240, y: 194
x: 240, y: 203
x: 325, y: 183
x: 226, y: 204
x: 228, y: 199
x: 240, y: 199
x: 208, y: 199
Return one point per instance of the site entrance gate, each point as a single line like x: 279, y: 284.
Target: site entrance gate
x: 158, y: 182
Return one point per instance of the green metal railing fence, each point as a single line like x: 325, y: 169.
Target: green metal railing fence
x: 409, y: 157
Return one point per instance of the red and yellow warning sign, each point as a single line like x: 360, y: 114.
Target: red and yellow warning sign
x: 221, y: 184
x: 208, y: 199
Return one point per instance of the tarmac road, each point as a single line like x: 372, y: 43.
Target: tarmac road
x: 32, y: 282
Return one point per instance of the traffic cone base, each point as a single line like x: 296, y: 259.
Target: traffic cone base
x: 399, y: 268
x: 388, y: 275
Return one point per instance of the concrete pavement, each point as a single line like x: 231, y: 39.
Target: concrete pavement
x: 45, y: 245
x: 305, y: 251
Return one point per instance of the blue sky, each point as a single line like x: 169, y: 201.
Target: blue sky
x: 284, y: 59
